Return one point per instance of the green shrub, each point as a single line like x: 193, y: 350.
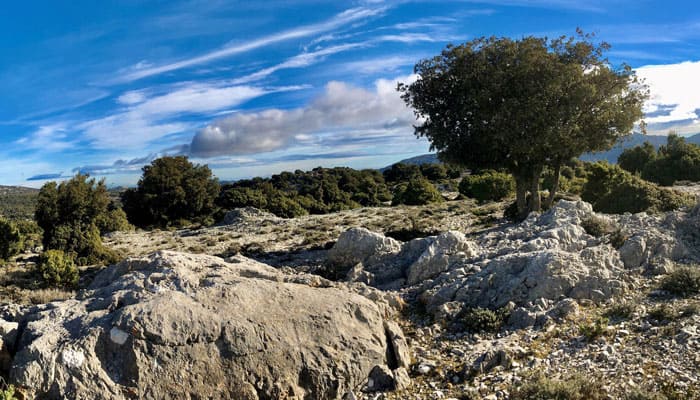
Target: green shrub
x: 595, y: 329
x: 635, y: 160
x: 416, y: 192
x: 540, y: 387
x: 478, y: 320
x: 57, y: 269
x: 171, y: 189
x: 74, y: 214
x: 612, y: 190
x: 11, y: 239
x: 684, y: 281
x: 663, y: 314
x: 621, y: 311
x: 487, y: 186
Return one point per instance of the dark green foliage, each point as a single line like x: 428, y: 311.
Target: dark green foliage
x: 684, y: 281
x: 595, y: 329
x: 540, y: 387
x: 487, y: 186
x: 171, y: 189
x: 636, y: 159
x: 416, y: 192
x: 516, y: 105
x: 11, y: 239
x: 434, y: 172
x: 401, y: 172
x: 31, y: 232
x: 319, y: 191
x: 57, y: 269
x: 479, y: 320
x: 74, y: 214
x: 612, y: 190
x: 677, y: 161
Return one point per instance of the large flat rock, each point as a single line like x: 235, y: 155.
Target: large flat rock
x: 175, y: 325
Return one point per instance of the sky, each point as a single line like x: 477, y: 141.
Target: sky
x: 252, y: 88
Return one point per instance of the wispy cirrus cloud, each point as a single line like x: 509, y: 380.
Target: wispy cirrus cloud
x: 346, y: 17
x: 148, y: 118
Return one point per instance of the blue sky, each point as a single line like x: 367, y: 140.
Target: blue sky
x: 254, y: 88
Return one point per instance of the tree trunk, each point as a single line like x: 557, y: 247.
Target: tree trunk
x: 521, y: 196
x: 535, y: 201
x: 555, y: 186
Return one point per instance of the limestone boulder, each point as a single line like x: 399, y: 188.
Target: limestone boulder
x: 173, y: 325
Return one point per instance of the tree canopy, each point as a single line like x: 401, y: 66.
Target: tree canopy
x: 74, y: 213
x: 521, y: 105
x: 676, y: 161
x: 172, y: 191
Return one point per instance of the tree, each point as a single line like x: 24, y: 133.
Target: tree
x: 171, y: 191
x: 521, y: 105
x: 635, y: 159
x: 11, y: 239
x: 74, y: 214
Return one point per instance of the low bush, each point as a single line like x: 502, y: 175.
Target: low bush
x: 593, y: 330
x: 416, y: 192
x: 487, y: 186
x: 612, y: 190
x: 540, y: 387
x: 621, y: 311
x: 597, y: 226
x: 57, y: 269
x: 683, y: 282
x: 479, y: 320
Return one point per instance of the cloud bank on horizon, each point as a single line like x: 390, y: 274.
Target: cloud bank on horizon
x: 254, y: 88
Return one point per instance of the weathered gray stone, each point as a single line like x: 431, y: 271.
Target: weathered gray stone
x: 360, y: 245
x: 173, y: 325
x: 399, y: 347
x: 437, y: 256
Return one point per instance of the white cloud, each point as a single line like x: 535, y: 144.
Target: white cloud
x: 346, y: 17
x: 132, y: 97
x: 341, y: 108
x: 298, y: 61
x: 150, y: 118
x: 673, y: 88
x: 50, y: 138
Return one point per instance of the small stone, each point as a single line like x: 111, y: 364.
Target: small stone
x: 118, y: 336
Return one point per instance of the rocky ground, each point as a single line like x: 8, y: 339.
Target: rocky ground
x: 444, y: 301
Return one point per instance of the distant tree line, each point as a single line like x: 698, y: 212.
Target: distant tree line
x: 677, y: 161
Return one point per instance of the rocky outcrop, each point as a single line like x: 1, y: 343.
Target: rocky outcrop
x: 245, y: 214
x: 175, y: 325
x: 375, y: 259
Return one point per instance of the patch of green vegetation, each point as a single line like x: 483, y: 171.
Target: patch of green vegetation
x: 416, y: 192
x: 57, y: 269
x: 677, y: 161
x: 595, y: 329
x: 612, y: 190
x: 74, y: 214
x: 488, y: 185
x: 683, y: 282
x: 541, y: 387
x: 172, y: 192
x: 17, y: 203
x: 621, y: 311
x: 483, y: 320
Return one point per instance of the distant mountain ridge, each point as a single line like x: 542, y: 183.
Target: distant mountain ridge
x: 610, y: 155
